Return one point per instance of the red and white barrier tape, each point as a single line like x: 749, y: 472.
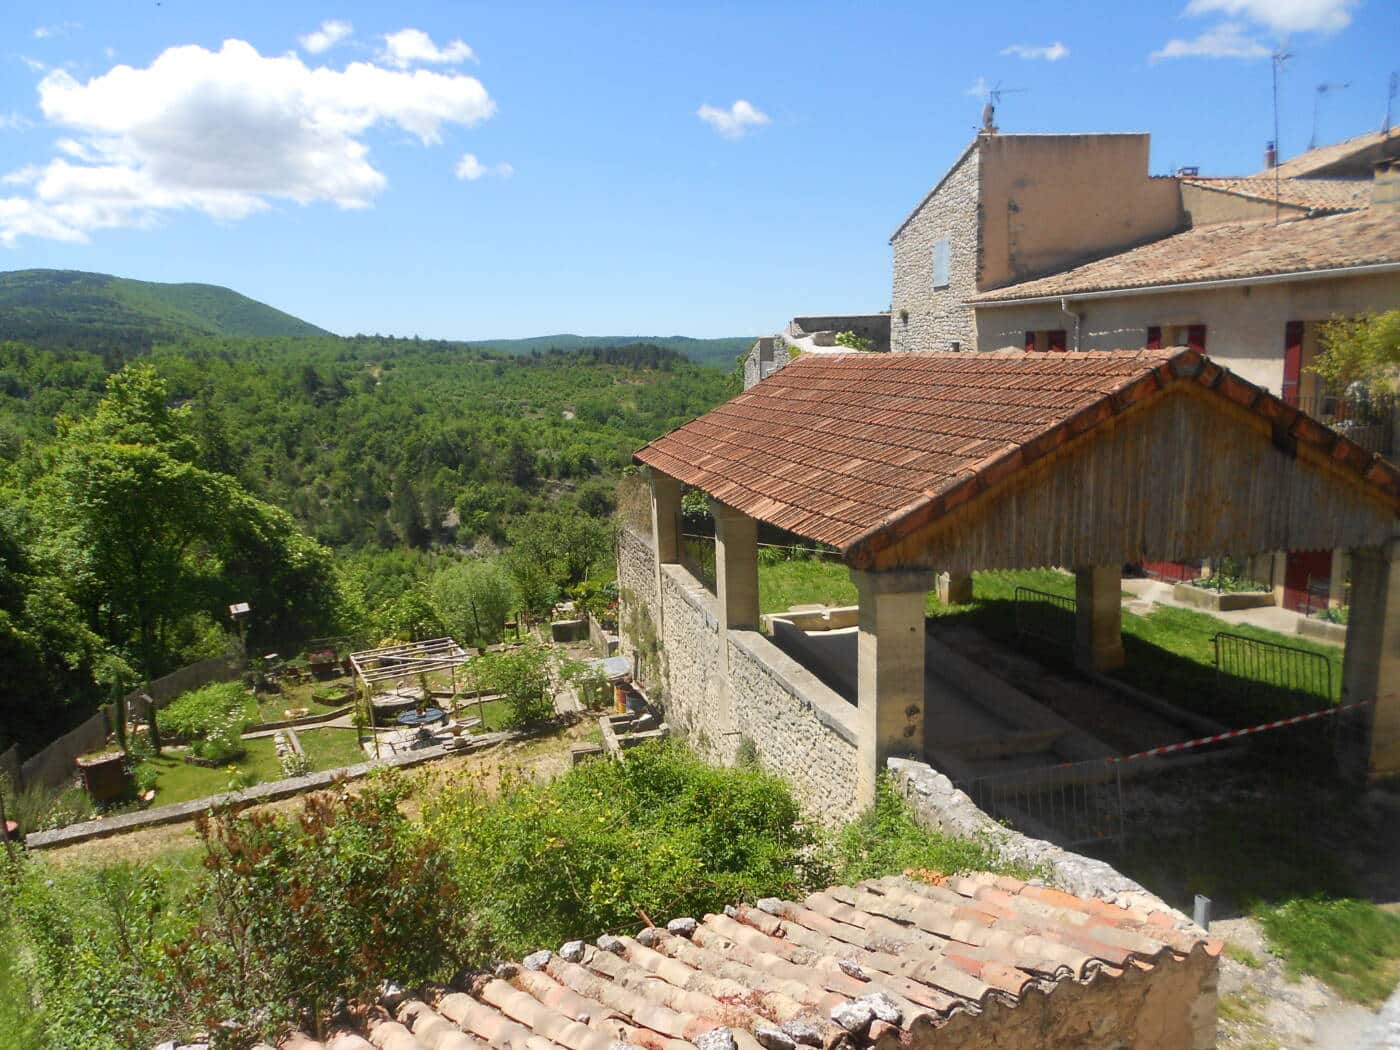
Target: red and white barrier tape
x: 1188, y: 744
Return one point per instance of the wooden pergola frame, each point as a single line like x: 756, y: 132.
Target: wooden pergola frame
x: 394, y: 663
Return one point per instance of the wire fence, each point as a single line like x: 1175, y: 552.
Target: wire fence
x: 1045, y: 617
x: 1075, y: 804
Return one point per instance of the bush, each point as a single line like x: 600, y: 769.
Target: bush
x: 523, y: 676
x: 192, y: 715
x: 223, y: 741
x: 661, y: 834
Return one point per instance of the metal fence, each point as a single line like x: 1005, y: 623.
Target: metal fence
x: 1074, y: 804
x: 1044, y: 616
x: 1251, y: 670
x: 1368, y: 420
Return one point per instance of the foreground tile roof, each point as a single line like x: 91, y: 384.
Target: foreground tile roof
x: 1318, y: 195
x: 855, y: 964
x: 1225, y: 251
x: 839, y: 447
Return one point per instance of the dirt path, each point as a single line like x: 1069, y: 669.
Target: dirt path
x: 543, y: 757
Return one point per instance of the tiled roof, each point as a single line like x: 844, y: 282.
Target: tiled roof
x: 1325, y: 157
x: 839, y: 447
x: 887, y: 958
x: 1318, y: 195
x: 1225, y: 251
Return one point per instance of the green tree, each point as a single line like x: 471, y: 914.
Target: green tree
x: 473, y: 600
x: 1363, y: 349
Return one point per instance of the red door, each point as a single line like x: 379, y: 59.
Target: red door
x: 1196, y: 337
x: 1154, y: 338
x: 1057, y: 340
x: 1301, y: 569
x: 1292, y: 361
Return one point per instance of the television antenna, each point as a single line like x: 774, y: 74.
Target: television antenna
x: 1322, y: 89
x: 989, y: 108
x: 1389, y: 99
x: 1276, y: 61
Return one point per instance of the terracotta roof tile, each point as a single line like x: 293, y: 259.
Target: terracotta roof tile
x: 838, y: 447
x: 1325, y: 157
x: 1317, y: 195
x: 1225, y: 251
x: 935, y: 951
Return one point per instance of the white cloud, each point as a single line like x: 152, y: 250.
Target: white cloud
x: 734, y: 122
x: 13, y: 121
x: 409, y: 47
x: 57, y: 29
x: 225, y: 133
x: 471, y: 169
x: 1227, y: 40
x: 978, y: 89
x: 1050, y: 52
x: 332, y: 32
x: 35, y: 66
x: 1283, y: 16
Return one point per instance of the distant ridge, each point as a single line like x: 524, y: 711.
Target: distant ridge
x: 718, y: 352
x: 70, y: 309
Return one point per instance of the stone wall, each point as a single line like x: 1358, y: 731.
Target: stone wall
x: 750, y: 691
x: 923, y: 317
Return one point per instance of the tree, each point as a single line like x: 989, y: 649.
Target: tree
x: 473, y: 600
x: 1363, y: 349
x: 553, y: 550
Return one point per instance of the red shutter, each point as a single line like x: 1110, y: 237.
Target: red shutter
x: 1057, y: 340
x: 1292, y: 361
x: 1196, y: 338
x: 1154, y: 338
x: 1030, y: 342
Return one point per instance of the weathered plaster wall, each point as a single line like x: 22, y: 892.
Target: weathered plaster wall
x: 923, y: 317
x: 1202, y: 206
x: 1244, y: 325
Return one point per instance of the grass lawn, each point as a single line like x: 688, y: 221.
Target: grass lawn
x: 1352, y: 945
x: 493, y: 715
x: 1170, y: 654
x: 181, y: 781
x: 330, y: 748
x: 272, y: 707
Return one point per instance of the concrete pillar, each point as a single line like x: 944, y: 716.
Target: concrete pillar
x: 1337, y: 585
x: 1098, y: 629
x: 955, y: 588
x: 1371, y: 667
x: 736, y: 567
x: 665, y: 516
x: 890, y: 671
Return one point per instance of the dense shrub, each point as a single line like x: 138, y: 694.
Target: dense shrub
x: 662, y: 834
x: 523, y: 676
x: 193, y: 715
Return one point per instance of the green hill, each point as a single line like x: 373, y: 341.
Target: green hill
x: 719, y: 353
x: 69, y: 309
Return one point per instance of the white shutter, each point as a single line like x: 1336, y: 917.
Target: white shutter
x: 942, y: 259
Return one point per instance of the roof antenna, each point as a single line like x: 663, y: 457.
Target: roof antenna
x: 1322, y: 89
x: 1390, y: 98
x: 989, y: 108
x: 1276, y: 60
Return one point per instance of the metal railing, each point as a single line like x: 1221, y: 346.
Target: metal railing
x: 1368, y: 420
x: 1045, y: 616
x: 1269, y: 680
x: 1074, y: 804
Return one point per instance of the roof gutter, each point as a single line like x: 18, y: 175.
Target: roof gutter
x: 1191, y: 286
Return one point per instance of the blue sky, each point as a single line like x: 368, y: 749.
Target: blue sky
x: 616, y: 184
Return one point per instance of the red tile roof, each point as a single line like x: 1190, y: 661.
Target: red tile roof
x: 839, y: 447
x: 1318, y: 195
x: 1359, y: 152
x: 889, y: 957
x: 1226, y: 251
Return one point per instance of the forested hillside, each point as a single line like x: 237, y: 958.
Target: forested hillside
x: 720, y: 353
x: 371, y: 487
x: 118, y: 316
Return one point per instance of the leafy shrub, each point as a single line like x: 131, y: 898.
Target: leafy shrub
x: 298, y: 911
x: 1335, y: 614
x: 40, y: 807
x: 661, y: 834
x: 1228, y: 584
x: 1351, y: 944
x: 886, y: 840
x: 851, y: 341
x: 523, y: 676
x: 192, y: 715
x: 223, y: 741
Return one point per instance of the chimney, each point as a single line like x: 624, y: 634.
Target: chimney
x: 1385, y: 187
x: 1270, y: 156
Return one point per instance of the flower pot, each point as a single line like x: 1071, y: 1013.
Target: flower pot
x: 105, y: 777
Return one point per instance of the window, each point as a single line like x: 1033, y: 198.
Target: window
x: 1154, y: 338
x: 942, y: 258
x: 1053, y: 340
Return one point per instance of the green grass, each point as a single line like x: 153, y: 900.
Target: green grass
x: 1352, y: 945
x: 181, y: 781
x: 273, y: 707
x: 804, y: 582
x: 330, y: 748
x: 1242, y: 955
x: 494, y: 714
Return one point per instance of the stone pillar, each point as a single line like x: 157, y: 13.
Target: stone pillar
x: 1098, y: 628
x: 1337, y: 585
x: 736, y: 567
x: 665, y: 516
x: 1371, y: 667
x: 890, y: 671
x: 955, y: 588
